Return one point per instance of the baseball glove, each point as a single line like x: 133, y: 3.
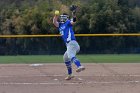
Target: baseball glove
x: 73, y: 8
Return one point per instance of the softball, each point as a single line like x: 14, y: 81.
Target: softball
x: 56, y: 12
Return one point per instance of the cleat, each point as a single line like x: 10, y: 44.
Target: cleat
x: 69, y: 77
x: 79, y: 69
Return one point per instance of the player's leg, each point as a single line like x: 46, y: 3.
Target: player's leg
x: 68, y: 65
x: 71, y: 52
x: 77, y: 48
x: 73, y: 48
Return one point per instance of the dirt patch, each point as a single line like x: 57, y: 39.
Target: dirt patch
x: 49, y: 78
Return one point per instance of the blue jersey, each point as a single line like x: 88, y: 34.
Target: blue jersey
x: 66, y: 31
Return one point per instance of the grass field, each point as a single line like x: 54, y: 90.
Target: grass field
x: 101, y: 58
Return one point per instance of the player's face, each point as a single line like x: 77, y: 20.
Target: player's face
x: 63, y: 18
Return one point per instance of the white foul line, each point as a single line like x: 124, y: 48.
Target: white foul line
x: 75, y: 83
x: 64, y: 83
x: 59, y: 75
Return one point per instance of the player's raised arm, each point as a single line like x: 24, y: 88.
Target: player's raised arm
x: 74, y: 19
x: 73, y: 9
x: 55, y: 18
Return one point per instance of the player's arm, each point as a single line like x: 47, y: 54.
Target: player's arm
x: 74, y: 19
x: 73, y: 8
x: 55, y: 22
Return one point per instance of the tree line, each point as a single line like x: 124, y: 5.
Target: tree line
x: 94, y: 16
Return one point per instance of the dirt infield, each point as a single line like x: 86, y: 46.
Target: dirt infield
x: 49, y: 78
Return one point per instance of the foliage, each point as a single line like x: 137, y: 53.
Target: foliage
x: 94, y: 16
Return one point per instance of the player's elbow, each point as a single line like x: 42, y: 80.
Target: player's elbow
x: 55, y: 23
x: 73, y: 23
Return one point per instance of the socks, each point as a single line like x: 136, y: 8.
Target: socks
x: 69, y: 68
x: 76, y: 61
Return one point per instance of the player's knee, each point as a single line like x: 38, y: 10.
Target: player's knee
x: 78, y: 49
x: 65, y: 58
x: 73, y: 59
x: 68, y: 64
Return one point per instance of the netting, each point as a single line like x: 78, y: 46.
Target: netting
x: 53, y: 44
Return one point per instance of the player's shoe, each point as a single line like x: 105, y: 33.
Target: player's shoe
x: 69, y: 77
x: 79, y: 69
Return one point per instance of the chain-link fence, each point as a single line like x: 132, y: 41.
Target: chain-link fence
x: 54, y: 45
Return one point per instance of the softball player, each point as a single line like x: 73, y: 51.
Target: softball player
x: 67, y: 33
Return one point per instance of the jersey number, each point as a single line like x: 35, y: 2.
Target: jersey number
x: 61, y: 32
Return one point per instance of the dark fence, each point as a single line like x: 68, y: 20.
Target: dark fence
x: 55, y: 45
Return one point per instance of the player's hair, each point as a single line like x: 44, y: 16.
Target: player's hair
x: 65, y: 14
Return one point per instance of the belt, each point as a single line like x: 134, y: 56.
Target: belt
x: 69, y: 41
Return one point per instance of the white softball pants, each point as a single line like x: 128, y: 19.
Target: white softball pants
x: 72, y: 49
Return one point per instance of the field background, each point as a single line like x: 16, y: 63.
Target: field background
x: 101, y: 58
x: 105, y: 73
x: 112, y: 67
x: 116, y: 74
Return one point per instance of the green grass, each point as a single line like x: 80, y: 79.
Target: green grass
x: 111, y: 58
x: 105, y: 58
